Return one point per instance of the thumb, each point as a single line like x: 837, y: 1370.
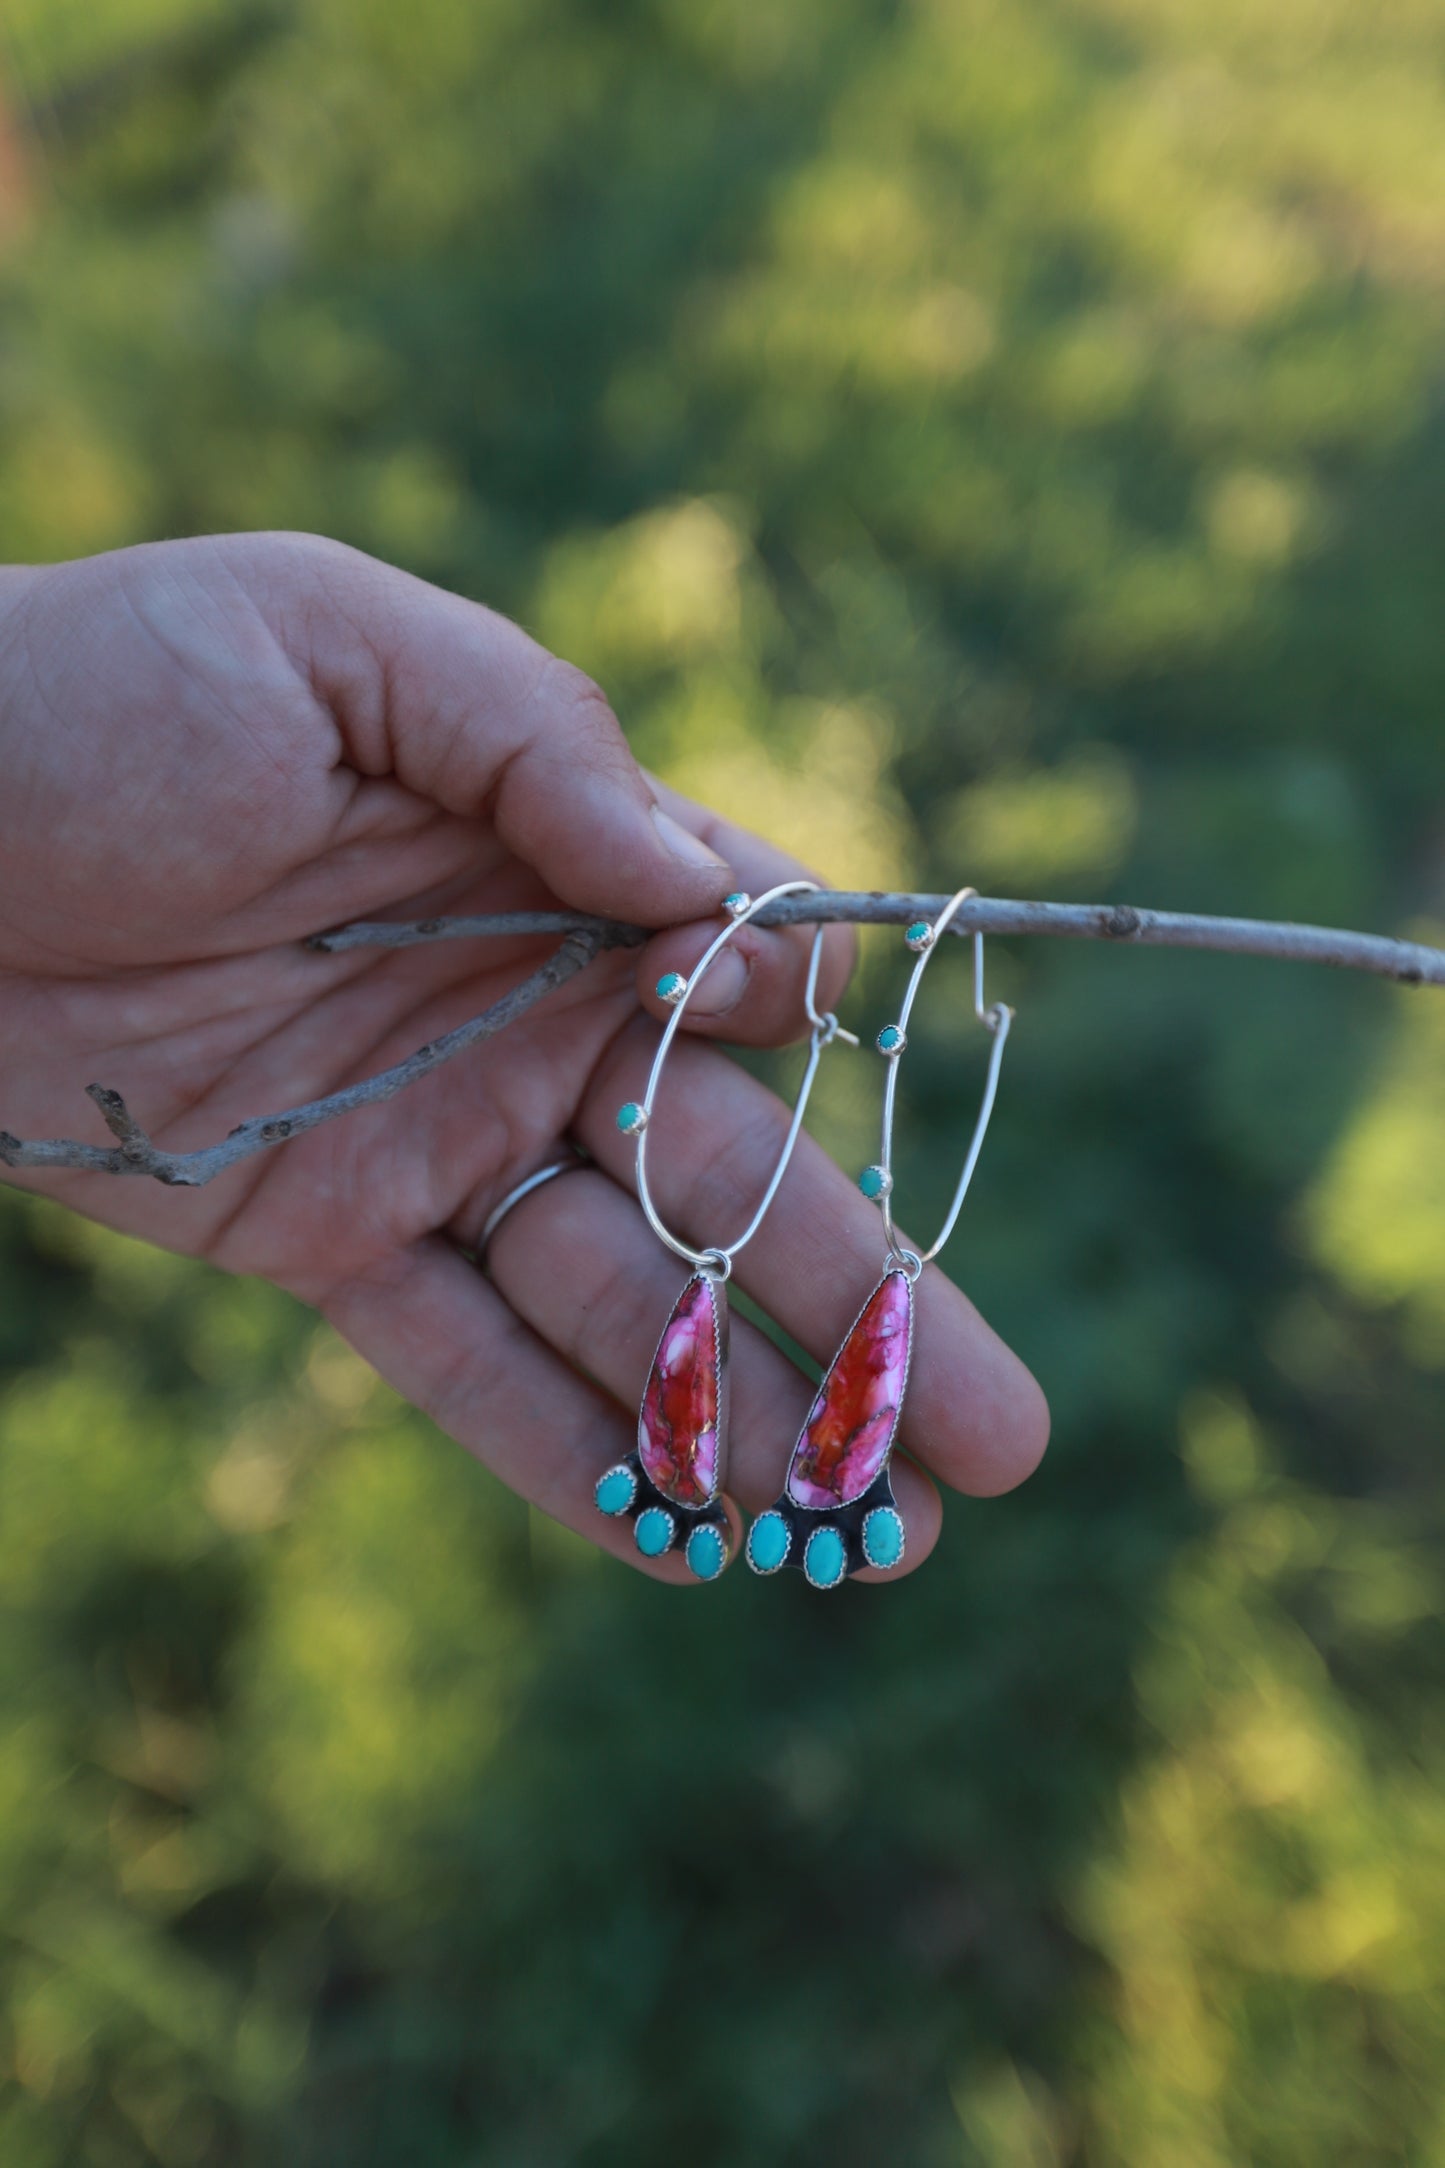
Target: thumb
x: 468, y: 711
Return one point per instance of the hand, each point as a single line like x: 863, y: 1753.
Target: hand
x: 209, y: 750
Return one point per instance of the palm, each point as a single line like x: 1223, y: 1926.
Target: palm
x: 195, y: 998
x: 214, y: 749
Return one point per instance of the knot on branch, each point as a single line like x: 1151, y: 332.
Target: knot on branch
x: 118, y: 1120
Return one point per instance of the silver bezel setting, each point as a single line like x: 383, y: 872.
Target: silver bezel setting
x: 801, y: 1505
x: 670, y: 1516
x: 824, y: 1529
x: 722, y: 1535
x: 619, y: 1467
x: 894, y: 1514
x: 764, y: 1571
x: 721, y: 1339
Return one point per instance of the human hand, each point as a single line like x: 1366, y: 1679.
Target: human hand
x: 211, y: 749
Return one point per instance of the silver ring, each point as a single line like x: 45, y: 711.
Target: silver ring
x: 499, y: 1212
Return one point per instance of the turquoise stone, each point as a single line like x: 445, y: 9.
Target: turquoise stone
x: 671, y: 986
x: 615, y: 1490
x: 631, y: 1118
x: 874, y: 1182
x: 825, y: 1560
x: 768, y: 1543
x: 653, y: 1532
x: 890, y: 1040
x: 883, y: 1537
x: 919, y: 935
x: 737, y: 902
x: 706, y: 1553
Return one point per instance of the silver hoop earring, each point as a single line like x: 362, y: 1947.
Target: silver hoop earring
x: 837, y: 1511
x: 671, y: 1487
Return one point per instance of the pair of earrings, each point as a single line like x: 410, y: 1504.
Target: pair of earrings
x: 837, y: 1511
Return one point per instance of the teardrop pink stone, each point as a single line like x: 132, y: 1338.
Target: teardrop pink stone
x: 677, y: 1431
x: 847, y: 1436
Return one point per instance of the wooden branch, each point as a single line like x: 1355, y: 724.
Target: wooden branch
x: 1409, y: 963
x: 384, y: 933
x: 136, y: 1154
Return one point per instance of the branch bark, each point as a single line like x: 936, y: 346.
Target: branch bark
x: 1409, y: 963
x: 136, y: 1154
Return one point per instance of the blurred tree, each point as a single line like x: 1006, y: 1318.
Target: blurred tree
x: 993, y: 436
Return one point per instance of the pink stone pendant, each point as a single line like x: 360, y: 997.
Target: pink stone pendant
x: 837, y: 1511
x: 671, y: 1487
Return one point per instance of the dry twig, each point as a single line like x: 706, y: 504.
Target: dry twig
x: 136, y: 1154
x: 1410, y: 963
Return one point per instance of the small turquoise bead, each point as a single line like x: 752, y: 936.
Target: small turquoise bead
x: 874, y: 1182
x: 890, y: 1040
x: 653, y: 1532
x: 706, y: 1553
x: 919, y: 935
x: 631, y: 1118
x: 671, y: 986
x: 883, y: 1537
x: 768, y: 1542
x: 615, y: 1490
x: 825, y: 1560
x: 736, y: 903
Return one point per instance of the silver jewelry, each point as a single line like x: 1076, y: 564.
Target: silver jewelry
x: 671, y: 1487
x: 499, y: 1212
x: 837, y: 1511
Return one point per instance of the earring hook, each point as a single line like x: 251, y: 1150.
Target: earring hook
x: 892, y: 1040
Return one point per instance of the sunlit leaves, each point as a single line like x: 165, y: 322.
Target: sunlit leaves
x: 971, y: 440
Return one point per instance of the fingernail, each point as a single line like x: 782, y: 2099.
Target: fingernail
x: 682, y: 843
x: 722, y: 985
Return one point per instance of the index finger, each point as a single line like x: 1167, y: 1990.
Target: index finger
x: 757, y: 998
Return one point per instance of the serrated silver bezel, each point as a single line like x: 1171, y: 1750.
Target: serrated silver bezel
x: 619, y: 1467
x: 800, y: 1504
x: 722, y: 1536
x: 763, y: 1572
x: 671, y: 1517
x: 823, y: 1587
x: 894, y: 1563
x: 721, y: 1342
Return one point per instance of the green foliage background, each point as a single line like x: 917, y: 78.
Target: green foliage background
x: 1001, y: 438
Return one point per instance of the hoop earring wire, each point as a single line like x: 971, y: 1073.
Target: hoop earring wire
x: 995, y: 1020
x: 671, y: 1487
x: 635, y: 1116
x: 837, y: 1511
